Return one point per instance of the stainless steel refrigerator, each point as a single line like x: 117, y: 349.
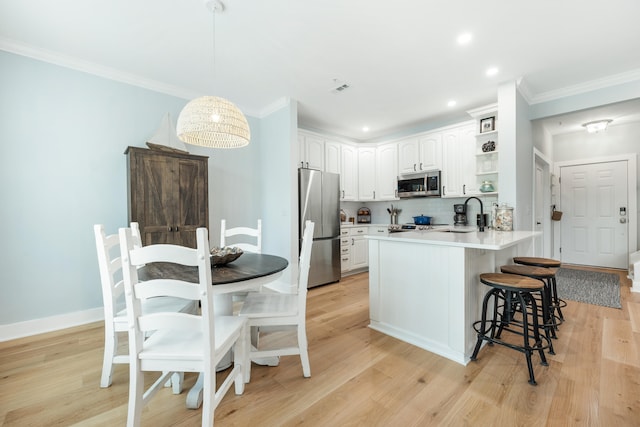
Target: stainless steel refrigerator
x: 319, y: 201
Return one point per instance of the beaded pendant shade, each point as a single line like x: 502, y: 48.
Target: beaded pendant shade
x: 211, y: 121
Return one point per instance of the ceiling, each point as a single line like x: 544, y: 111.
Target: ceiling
x: 400, y: 59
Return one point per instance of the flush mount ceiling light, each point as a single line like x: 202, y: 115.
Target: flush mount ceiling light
x: 598, y: 125
x: 492, y: 71
x: 211, y: 121
x: 464, y: 38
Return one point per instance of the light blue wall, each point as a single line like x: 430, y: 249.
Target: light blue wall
x: 63, y: 134
x: 278, y: 184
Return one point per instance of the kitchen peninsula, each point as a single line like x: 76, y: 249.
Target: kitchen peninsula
x: 424, y: 287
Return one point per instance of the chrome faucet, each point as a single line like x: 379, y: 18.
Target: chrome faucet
x: 481, y: 221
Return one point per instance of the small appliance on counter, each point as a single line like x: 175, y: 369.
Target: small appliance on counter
x: 364, y: 216
x: 460, y: 217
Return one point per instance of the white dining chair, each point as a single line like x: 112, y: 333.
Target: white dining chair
x: 251, y: 233
x: 284, y: 311
x: 115, y: 313
x: 181, y: 342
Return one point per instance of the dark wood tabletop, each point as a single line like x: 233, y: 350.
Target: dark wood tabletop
x: 248, y: 266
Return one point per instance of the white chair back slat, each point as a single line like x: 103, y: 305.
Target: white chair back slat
x: 170, y: 321
x: 168, y: 287
x: 163, y: 253
x: 252, y: 233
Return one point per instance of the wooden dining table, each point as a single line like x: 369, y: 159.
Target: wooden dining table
x: 247, y: 273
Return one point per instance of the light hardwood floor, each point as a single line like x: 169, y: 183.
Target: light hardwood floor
x: 359, y: 377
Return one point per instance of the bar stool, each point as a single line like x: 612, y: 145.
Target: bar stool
x: 511, y: 293
x: 556, y: 303
x: 544, y: 275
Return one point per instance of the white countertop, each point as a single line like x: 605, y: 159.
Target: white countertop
x: 489, y: 239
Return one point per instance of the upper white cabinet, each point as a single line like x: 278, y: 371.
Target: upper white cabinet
x: 349, y: 172
x: 458, y: 161
x: 311, y: 151
x: 420, y: 153
x: 366, y: 173
x: 386, y: 172
x: 470, y: 184
x: 377, y: 172
x: 343, y: 159
x: 332, y: 156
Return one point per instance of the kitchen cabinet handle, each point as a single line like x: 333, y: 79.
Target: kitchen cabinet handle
x: 170, y: 228
x: 420, y: 166
x: 353, y: 242
x: 301, y: 164
x: 443, y: 192
x: 464, y: 188
x: 414, y: 167
x: 307, y: 165
x: 374, y: 194
x: 343, y: 194
x: 177, y: 228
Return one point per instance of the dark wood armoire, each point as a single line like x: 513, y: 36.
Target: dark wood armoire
x: 168, y: 195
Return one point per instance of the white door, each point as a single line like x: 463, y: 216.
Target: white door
x: 538, y: 203
x: 594, y: 226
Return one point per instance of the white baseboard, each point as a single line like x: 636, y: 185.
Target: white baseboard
x: 49, y: 324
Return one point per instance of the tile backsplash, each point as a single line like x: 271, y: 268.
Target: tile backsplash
x: 441, y: 210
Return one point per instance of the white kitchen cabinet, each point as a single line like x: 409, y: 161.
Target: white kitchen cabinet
x: 470, y: 184
x: 311, y: 151
x: 354, y: 249
x: 458, y: 154
x: 349, y: 172
x: 377, y: 172
x: 332, y: 156
x: 366, y: 173
x: 345, y: 250
x: 420, y: 153
x: 386, y: 172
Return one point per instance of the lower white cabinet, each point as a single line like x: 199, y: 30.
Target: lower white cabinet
x: 354, y: 249
x: 345, y: 250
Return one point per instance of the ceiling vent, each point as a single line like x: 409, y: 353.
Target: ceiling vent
x: 340, y: 87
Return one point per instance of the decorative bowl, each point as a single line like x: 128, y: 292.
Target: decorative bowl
x: 225, y: 255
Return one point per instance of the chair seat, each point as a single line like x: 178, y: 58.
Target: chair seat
x: 187, y: 345
x: 269, y: 305
x: 537, y: 261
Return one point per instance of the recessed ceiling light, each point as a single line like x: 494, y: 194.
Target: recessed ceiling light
x: 464, y: 38
x: 451, y: 103
x: 593, y: 127
x: 365, y: 128
x: 492, y: 71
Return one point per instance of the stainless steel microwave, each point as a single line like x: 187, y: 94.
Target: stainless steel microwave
x: 424, y: 184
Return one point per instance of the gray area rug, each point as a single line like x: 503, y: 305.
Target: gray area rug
x: 591, y: 287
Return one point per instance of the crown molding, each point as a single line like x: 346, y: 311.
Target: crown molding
x: 605, y: 82
x: 93, y: 68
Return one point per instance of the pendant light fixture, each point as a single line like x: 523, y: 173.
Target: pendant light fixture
x: 211, y: 121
